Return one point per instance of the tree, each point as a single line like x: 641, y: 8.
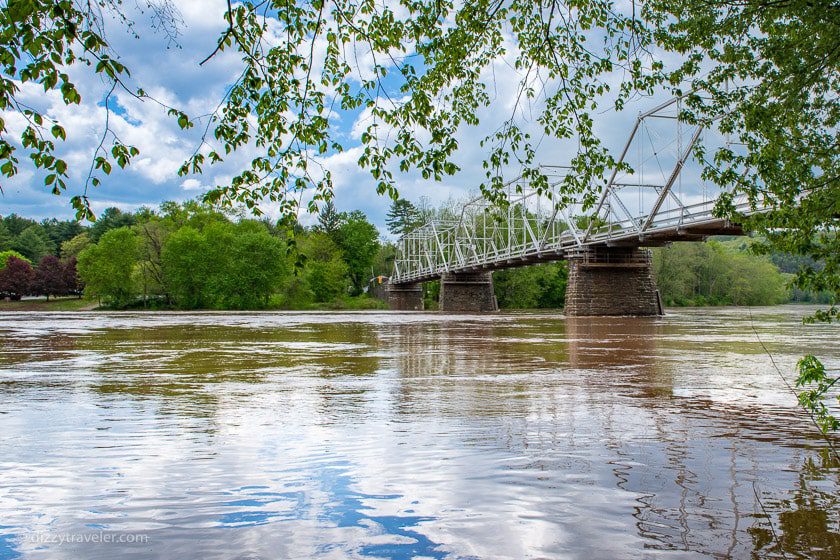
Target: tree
x: 228, y: 266
x: 186, y: 267
x: 540, y: 286
x: 33, y: 243
x: 50, y: 278
x: 6, y: 255
x: 326, y: 273
x: 775, y: 92
x: 72, y: 247
x: 715, y: 273
x: 59, y: 231
x: 402, y: 217
x: 111, y: 218
x: 107, y: 268
x: 16, y: 224
x: 774, y: 71
x: 70, y: 276
x: 249, y: 264
x: 5, y: 237
x: 358, y: 240
x: 16, y: 278
x: 329, y: 220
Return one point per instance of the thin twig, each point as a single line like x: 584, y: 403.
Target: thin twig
x: 791, y: 389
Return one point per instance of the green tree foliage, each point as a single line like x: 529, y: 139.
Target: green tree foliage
x: 250, y: 264
x: 402, y: 217
x: 33, y: 243
x: 186, y: 267
x: 812, y: 374
x: 712, y: 274
x: 533, y: 287
x: 383, y: 263
x: 107, y: 267
x: 16, y: 224
x: 226, y: 265
x: 5, y: 255
x: 326, y: 274
x: 5, y: 237
x: 41, y: 39
x: 72, y: 247
x: 765, y: 72
x: 111, y: 218
x: 329, y: 219
x: 358, y: 240
x: 59, y: 231
x: 768, y: 74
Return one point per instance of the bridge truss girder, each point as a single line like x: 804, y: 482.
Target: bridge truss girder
x: 532, y: 227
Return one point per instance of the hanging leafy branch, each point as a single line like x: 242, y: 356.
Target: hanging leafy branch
x: 421, y: 77
x: 812, y: 373
x: 39, y: 41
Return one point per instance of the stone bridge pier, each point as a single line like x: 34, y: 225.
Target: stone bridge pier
x: 611, y: 281
x: 467, y: 292
x: 404, y: 297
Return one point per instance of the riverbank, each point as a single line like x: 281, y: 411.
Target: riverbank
x: 76, y: 304
x: 54, y: 304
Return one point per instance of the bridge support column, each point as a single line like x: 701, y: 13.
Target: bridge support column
x: 467, y: 292
x: 405, y: 297
x: 612, y: 281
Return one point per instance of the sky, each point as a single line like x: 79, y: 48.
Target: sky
x: 170, y: 71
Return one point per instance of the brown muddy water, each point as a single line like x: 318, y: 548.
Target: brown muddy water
x: 398, y: 435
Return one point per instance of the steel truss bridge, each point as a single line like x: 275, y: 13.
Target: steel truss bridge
x: 663, y: 199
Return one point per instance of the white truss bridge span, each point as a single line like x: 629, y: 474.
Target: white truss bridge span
x: 663, y: 199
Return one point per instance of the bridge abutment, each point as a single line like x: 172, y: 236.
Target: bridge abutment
x: 611, y: 281
x: 467, y: 292
x: 405, y: 297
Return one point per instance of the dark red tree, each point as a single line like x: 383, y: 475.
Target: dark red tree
x: 72, y: 284
x: 49, y: 277
x: 16, y: 279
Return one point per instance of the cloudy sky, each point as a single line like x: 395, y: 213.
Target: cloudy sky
x: 171, y: 72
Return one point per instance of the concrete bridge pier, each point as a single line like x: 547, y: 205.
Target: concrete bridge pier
x: 405, y: 297
x: 467, y: 292
x: 611, y: 281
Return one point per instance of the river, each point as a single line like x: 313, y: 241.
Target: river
x: 412, y: 435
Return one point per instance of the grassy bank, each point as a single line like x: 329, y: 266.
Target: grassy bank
x: 54, y: 304
x: 276, y: 304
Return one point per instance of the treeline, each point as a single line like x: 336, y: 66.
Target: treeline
x: 31, y: 260
x: 193, y: 256
x: 718, y: 272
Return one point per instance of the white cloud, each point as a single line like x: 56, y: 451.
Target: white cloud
x: 191, y: 185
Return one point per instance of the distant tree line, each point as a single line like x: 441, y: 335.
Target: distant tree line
x: 194, y: 256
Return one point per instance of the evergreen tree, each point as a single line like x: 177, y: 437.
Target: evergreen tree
x: 5, y: 237
x: 111, y: 218
x: 329, y: 219
x: 33, y: 243
x: 16, y: 224
x: 402, y: 217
